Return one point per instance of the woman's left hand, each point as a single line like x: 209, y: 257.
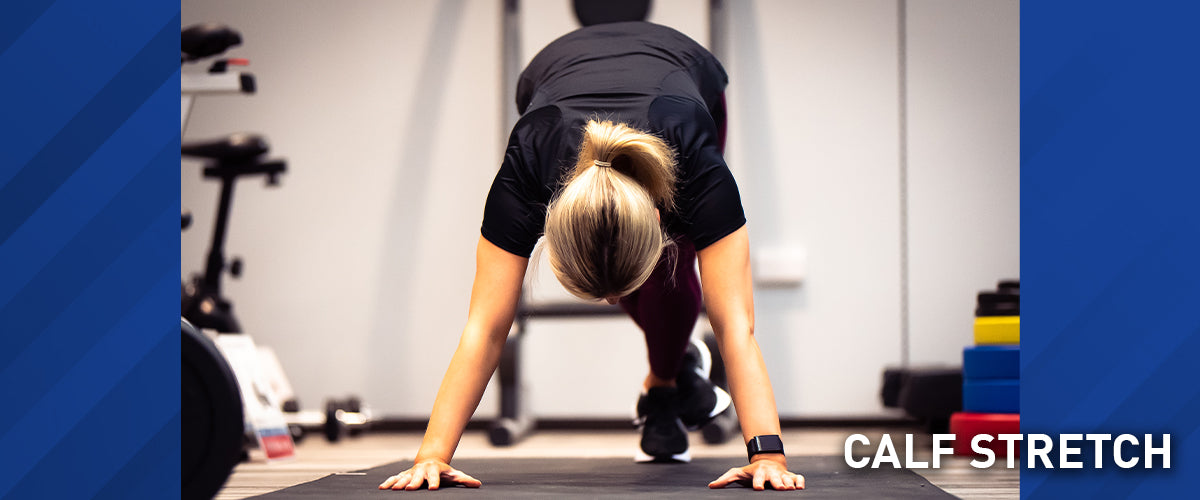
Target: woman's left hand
x: 759, y: 473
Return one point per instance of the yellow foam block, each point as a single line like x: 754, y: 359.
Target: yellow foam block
x: 998, y: 330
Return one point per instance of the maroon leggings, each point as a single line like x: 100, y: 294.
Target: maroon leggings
x: 666, y: 308
x: 667, y: 305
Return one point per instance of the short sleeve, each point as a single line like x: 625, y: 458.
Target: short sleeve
x: 514, y: 214
x: 708, y: 203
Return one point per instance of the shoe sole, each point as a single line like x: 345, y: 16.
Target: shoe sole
x: 642, y: 458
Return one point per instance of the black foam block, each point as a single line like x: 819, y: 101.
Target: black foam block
x: 553, y: 478
x: 893, y: 382
x: 932, y: 393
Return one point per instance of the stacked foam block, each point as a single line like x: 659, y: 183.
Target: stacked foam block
x: 991, y: 373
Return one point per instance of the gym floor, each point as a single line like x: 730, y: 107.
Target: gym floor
x: 316, y: 458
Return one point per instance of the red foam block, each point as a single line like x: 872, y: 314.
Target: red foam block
x: 965, y: 426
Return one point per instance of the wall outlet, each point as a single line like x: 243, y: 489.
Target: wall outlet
x: 780, y: 266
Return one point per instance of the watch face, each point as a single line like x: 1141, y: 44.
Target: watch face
x: 764, y: 444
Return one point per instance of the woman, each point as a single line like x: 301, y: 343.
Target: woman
x: 617, y: 160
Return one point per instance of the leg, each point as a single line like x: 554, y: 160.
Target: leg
x: 666, y: 308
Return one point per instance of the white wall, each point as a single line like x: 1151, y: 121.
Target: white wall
x: 358, y: 269
x: 814, y: 145
x: 963, y: 156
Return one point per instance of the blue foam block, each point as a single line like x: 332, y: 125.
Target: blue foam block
x: 992, y: 395
x: 992, y: 361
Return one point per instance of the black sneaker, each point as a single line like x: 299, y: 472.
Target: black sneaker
x: 700, y: 399
x: 664, y: 438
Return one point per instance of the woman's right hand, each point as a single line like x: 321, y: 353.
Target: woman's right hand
x: 494, y: 298
x: 431, y: 471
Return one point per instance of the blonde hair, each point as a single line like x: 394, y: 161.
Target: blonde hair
x: 603, y: 234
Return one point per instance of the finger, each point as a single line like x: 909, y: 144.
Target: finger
x: 465, y: 480
x: 722, y: 481
x: 789, y: 481
x: 728, y: 477
x: 418, y: 477
x: 462, y: 478
x: 799, y: 481
x: 401, y: 480
x: 433, y: 477
x: 387, y: 483
x: 776, y: 480
x: 760, y: 479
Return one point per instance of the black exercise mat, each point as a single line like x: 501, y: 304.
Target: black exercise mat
x: 553, y: 478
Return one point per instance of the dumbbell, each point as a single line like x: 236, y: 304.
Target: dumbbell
x: 334, y: 428
x: 722, y: 428
x: 291, y: 410
x: 354, y: 405
x: 345, y: 417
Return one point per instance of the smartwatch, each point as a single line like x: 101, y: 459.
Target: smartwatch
x: 770, y: 443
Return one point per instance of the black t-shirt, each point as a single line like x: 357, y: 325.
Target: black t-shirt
x: 645, y: 75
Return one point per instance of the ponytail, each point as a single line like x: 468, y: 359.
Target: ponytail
x: 602, y: 229
x: 643, y: 157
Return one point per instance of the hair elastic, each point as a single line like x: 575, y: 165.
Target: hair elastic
x: 599, y: 163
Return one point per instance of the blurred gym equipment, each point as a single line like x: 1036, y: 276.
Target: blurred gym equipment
x: 229, y: 158
x: 211, y: 417
x: 591, y: 12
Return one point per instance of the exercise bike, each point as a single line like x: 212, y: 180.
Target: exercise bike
x: 226, y: 159
x: 235, y: 396
x: 214, y: 411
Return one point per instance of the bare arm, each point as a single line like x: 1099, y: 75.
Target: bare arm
x: 729, y: 298
x: 498, y: 277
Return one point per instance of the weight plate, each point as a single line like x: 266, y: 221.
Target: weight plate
x: 211, y: 420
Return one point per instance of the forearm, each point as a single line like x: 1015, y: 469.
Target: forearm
x: 728, y: 293
x: 470, y: 369
x: 494, y: 298
x: 749, y: 384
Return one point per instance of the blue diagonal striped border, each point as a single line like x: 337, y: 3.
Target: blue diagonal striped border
x: 88, y: 249
x: 89, y: 357
x: 1110, y: 220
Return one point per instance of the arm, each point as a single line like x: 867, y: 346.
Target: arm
x: 729, y: 297
x: 498, y: 277
x: 494, y: 296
